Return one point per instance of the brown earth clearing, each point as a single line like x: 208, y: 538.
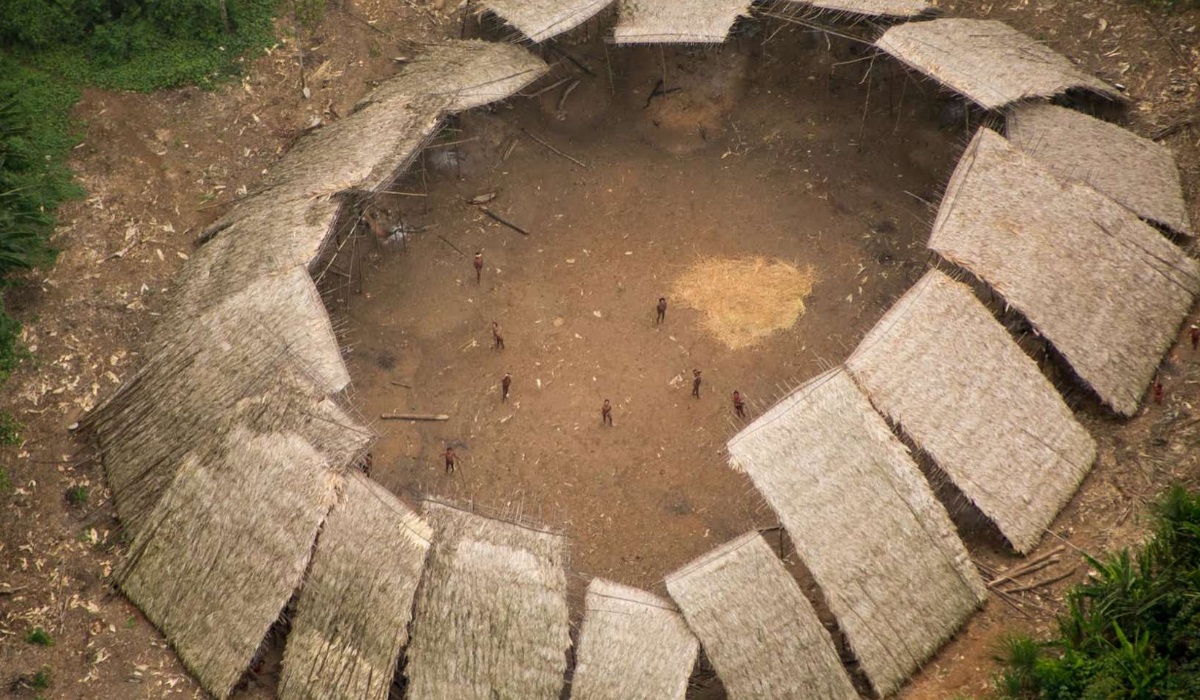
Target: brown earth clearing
x: 771, y: 148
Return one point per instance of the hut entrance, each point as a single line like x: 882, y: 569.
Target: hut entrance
x: 590, y: 199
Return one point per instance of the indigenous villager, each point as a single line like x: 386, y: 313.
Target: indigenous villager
x: 479, y: 267
x: 696, y: 383
x: 497, y: 337
x: 1156, y: 390
x: 504, y: 384
x: 662, y: 311
x: 738, y: 404
x: 1194, y: 333
x: 606, y: 413
x: 451, y: 459
x: 366, y: 463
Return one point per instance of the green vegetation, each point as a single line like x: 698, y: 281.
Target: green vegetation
x: 40, y: 637
x: 5, y: 482
x: 1131, y: 632
x: 10, y: 430
x: 41, y: 679
x: 50, y: 49
x: 77, y: 495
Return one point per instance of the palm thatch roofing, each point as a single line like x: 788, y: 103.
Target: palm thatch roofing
x: 353, y: 612
x: 1105, y: 288
x: 871, y: 8
x: 633, y: 644
x: 677, y: 21
x: 986, y: 61
x: 894, y: 572
x: 948, y: 374
x: 491, y: 613
x: 226, y: 545
x: 542, y: 19
x: 468, y: 74
x: 760, y: 632
x: 1136, y: 173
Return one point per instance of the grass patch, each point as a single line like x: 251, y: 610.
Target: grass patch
x: 1131, y: 631
x: 40, y: 637
x: 10, y: 429
x: 77, y: 495
x: 5, y: 481
x: 41, y: 679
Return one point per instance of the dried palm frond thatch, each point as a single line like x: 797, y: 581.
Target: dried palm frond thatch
x: 225, y: 547
x: 1107, y: 290
x: 943, y: 369
x: 1136, y: 173
x: 491, y: 613
x: 190, y: 394
x: 468, y: 74
x: 542, y: 19
x: 353, y: 612
x: 677, y: 21
x: 760, y: 632
x: 894, y: 572
x: 987, y: 61
x: 871, y: 8
x: 633, y: 644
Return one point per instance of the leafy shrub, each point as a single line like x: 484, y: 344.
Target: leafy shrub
x: 1131, y: 631
x: 77, y: 495
x: 40, y: 637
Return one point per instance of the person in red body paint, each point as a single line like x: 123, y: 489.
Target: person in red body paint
x: 739, y: 406
x: 451, y: 459
x: 606, y: 413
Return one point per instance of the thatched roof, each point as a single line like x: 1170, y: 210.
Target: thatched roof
x: 760, y: 632
x: 633, y: 644
x: 542, y: 19
x: 491, y: 613
x: 677, y: 21
x: 225, y: 547
x: 1105, y: 288
x: 987, y: 61
x: 942, y: 368
x: 468, y: 74
x: 1137, y: 173
x: 353, y: 612
x: 871, y: 8
x: 867, y: 526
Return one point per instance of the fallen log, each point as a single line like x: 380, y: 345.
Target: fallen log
x: 414, y: 416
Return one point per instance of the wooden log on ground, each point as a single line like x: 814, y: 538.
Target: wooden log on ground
x: 414, y: 416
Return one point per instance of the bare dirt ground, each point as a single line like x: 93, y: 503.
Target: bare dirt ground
x: 157, y: 168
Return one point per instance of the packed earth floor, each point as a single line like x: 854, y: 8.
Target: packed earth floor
x: 735, y: 160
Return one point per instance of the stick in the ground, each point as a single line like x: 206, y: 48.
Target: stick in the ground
x: 1024, y: 571
x: 555, y: 151
x: 578, y: 64
x: 562, y: 101
x: 414, y: 416
x: 1042, y: 582
x: 452, y: 245
x: 493, y: 215
x: 1018, y: 570
x: 406, y: 386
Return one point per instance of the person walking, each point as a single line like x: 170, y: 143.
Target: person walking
x: 739, y: 406
x: 662, y: 311
x: 606, y: 414
x: 451, y: 459
x: 696, y: 383
x: 479, y: 267
x: 497, y: 337
x: 504, y: 384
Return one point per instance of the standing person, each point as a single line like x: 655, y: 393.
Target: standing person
x: 738, y: 404
x: 606, y: 414
x: 1194, y: 333
x: 662, y: 311
x: 1156, y: 390
x: 497, y: 337
x: 366, y: 463
x: 451, y: 459
x: 504, y: 384
x: 479, y: 267
x: 696, y: 383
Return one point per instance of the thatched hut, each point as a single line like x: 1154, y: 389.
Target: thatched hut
x: 877, y: 541
x: 871, y: 8
x: 633, y: 644
x: 353, y: 612
x: 760, y: 632
x: 491, y: 613
x: 1103, y: 287
x: 1136, y: 173
x: 543, y: 19
x: 677, y: 21
x: 940, y: 366
x: 986, y: 61
x: 225, y: 546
